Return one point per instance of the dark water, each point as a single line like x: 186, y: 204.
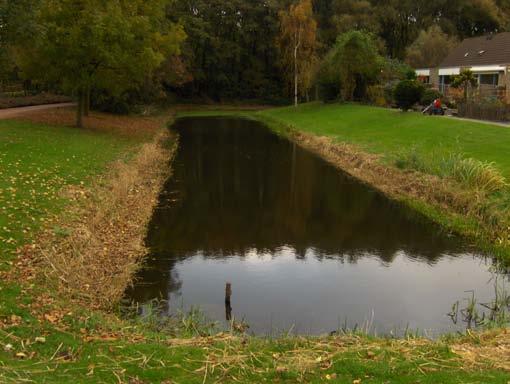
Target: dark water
x: 303, y: 245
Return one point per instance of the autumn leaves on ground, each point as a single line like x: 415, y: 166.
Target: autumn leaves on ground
x: 68, y: 253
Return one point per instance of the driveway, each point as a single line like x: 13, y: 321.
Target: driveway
x: 13, y: 112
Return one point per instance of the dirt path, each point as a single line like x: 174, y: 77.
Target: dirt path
x: 13, y: 112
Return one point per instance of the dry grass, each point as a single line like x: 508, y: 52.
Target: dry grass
x: 486, y: 223
x: 131, y: 126
x: 232, y: 358
x: 100, y: 244
x: 490, y: 348
x: 392, y: 181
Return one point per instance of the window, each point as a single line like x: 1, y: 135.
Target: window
x: 445, y: 79
x: 488, y: 79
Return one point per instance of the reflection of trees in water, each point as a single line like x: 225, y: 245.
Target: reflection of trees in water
x: 237, y: 187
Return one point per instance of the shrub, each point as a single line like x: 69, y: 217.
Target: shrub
x: 105, y: 102
x: 407, y: 93
x: 429, y: 96
x: 376, y: 95
x: 389, y: 92
x: 329, y: 88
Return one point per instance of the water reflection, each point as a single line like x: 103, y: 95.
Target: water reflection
x: 301, y: 242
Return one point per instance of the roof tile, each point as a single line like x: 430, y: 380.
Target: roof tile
x: 484, y: 50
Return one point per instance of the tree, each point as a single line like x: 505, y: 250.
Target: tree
x: 356, y: 61
x: 430, y: 48
x: 398, y: 20
x: 84, y: 44
x: 407, y: 93
x: 466, y: 80
x: 354, y: 15
x: 230, y: 52
x: 298, y: 45
x: 16, y: 27
x: 474, y: 17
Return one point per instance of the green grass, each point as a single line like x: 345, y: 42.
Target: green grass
x: 35, y: 163
x: 387, y: 132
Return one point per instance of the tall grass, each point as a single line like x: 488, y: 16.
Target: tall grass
x: 469, y: 172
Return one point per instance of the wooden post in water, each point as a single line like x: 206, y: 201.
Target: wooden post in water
x: 228, y: 306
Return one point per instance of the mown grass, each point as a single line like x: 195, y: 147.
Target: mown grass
x: 388, y: 132
x: 36, y: 162
x: 88, y: 346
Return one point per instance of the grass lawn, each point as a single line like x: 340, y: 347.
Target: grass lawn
x: 36, y: 162
x: 87, y: 346
x: 387, y: 132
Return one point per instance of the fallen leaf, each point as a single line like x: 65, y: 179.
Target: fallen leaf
x: 281, y: 369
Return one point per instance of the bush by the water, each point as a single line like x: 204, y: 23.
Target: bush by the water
x: 407, y: 93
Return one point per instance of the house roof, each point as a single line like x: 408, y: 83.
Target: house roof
x: 484, y: 50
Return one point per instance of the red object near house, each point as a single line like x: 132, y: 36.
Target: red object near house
x: 437, y: 103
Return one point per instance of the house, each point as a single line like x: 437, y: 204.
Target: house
x: 488, y: 57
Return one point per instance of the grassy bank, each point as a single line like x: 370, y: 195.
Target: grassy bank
x: 50, y: 175
x: 459, y: 169
x: 391, y: 133
x: 455, y: 172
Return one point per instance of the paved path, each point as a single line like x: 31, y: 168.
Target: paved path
x: 488, y: 122
x: 13, y: 112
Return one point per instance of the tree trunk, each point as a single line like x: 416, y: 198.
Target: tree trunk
x: 79, y: 109
x: 295, y: 77
x: 86, y: 106
x: 297, y: 43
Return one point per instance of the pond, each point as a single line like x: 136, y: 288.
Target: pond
x: 305, y: 247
